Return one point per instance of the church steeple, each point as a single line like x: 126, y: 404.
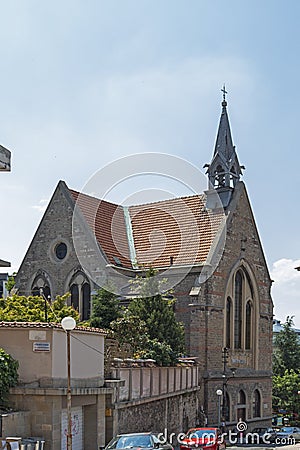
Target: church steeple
x: 224, y: 171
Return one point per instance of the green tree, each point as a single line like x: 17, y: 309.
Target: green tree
x: 130, y: 329
x: 152, y: 315
x: 285, y: 391
x: 32, y: 309
x: 105, y: 309
x: 286, y: 354
x: 157, y: 311
x: 11, y: 282
x: 8, y: 376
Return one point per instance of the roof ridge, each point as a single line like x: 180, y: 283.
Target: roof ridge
x: 167, y: 200
x: 28, y: 324
x: 138, y: 204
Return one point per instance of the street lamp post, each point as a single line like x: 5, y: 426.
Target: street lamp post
x: 68, y: 324
x: 219, y: 393
x: 225, y: 377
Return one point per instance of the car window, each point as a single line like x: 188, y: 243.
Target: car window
x: 194, y: 434
x: 156, y: 440
x: 131, y: 441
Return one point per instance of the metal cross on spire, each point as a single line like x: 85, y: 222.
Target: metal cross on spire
x: 224, y: 93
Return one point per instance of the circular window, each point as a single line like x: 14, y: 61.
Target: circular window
x: 61, y: 250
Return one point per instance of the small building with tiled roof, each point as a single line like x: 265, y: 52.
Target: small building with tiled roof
x: 206, y: 245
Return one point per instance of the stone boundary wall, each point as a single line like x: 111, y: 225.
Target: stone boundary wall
x: 151, y: 382
x: 171, y: 414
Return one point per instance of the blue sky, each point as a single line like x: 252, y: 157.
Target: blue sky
x: 86, y: 82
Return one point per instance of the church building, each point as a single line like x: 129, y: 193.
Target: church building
x: 211, y: 256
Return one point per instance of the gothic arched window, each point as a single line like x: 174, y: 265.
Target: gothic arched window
x: 241, y: 397
x: 41, y: 285
x: 220, y: 177
x: 86, y: 301
x: 239, y: 311
x: 241, y: 406
x: 75, y: 296
x: 238, y: 302
x: 248, y: 325
x: 80, y: 290
x: 256, y: 403
x: 228, y: 322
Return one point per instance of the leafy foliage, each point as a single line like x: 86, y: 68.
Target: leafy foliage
x: 32, y: 309
x: 161, y: 352
x: 285, y: 391
x: 130, y: 329
x: 8, y: 376
x: 286, y: 355
x: 11, y: 282
x: 105, y: 309
x: 286, y: 368
x: 149, y: 323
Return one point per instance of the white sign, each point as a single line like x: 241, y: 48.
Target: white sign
x: 41, y: 346
x: 36, y: 335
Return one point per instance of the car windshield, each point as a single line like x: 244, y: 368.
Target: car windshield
x: 205, y: 434
x: 287, y: 429
x: 131, y: 441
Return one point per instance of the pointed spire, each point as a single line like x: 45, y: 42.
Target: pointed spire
x: 224, y: 170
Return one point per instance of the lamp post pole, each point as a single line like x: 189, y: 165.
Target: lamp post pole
x: 68, y: 324
x: 225, y: 359
x: 69, y: 395
x: 219, y: 393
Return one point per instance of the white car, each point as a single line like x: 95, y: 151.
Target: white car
x: 288, y: 433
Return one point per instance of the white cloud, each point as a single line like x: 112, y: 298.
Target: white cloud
x: 286, y: 289
x: 42, y: 205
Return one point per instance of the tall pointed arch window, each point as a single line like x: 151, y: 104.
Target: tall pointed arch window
x: 241, y: 406
x: 256, y: 403
x: 228, y: 322
x: 86, y: 301
x: 238, y: 302
x: 240, y: 323
x: 74, y: 296
x: 248, y: 324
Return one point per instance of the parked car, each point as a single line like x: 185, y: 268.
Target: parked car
x: 287, y: 433
x: 210, y: 438
x: 138, y: 440
x: 263, y: 435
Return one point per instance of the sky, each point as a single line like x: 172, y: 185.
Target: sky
x: 85, y: 82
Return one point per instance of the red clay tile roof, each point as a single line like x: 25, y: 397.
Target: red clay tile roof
x: 107, y: 222
x: 51, y: 325
x: 180, y: 228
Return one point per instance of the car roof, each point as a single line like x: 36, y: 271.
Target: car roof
x: 135, y: 434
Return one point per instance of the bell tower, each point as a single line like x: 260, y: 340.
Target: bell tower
x: 224, y: 171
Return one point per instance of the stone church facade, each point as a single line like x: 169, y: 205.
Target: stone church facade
x: 223, y: 289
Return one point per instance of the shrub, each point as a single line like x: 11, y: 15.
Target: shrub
x: 8, y: 376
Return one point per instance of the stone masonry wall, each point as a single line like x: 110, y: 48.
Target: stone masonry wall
x: 203, y: 316
x: 175, y: 414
